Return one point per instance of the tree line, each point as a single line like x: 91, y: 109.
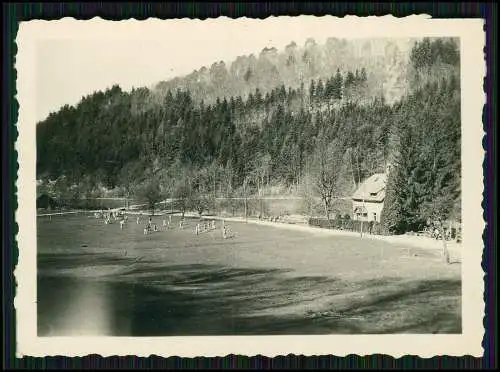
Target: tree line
x: 320, y: 140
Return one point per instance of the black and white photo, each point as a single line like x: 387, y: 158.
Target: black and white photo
x: 209, y: 179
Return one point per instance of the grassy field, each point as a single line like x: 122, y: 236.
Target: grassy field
x: 97, y: 279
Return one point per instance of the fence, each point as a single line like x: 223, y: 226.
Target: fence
x: 89, y: 203
x: 236, y: 207
x: 231, y: 207
x: 348, y: 224
x: 44, y: 215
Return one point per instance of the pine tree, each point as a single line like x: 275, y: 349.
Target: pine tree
x: 337, y: 87
x: 328, y: 88
x: 404, y: 185
x: 312, y: 90
x: 250, y: 101
x: 349, y: 83
x: 363, y: 77
x: 349, y: 80
x: 318, y: 95
x: 282, y: 93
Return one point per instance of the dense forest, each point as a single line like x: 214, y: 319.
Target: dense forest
x: 317, y: 138
x: 383, y: 59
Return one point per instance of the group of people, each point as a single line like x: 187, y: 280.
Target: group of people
x: 280, y: 218
x: 150, y: 226
x: 211, y: 226
x: 166, y: 222
x: 226, y: 231
x: 110, y: 216
x: 204, y: 227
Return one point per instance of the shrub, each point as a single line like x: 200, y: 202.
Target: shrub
x: 348, y: 224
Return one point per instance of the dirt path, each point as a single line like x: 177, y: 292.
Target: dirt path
x: 405, y: 240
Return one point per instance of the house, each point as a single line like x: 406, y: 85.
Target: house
x: 368, y: 199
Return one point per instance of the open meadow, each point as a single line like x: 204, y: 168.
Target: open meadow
x: 97, y: 279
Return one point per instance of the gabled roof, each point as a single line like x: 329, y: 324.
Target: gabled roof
x: 372, y: 189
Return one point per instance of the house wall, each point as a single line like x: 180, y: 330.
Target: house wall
x: 374, y: 210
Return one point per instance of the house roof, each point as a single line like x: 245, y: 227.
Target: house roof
x: 372, y: 189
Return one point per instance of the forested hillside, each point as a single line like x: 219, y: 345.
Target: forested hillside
x: 315, y: 137
x: 383, y: 59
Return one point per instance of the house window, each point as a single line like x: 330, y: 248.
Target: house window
x: 373, y: 194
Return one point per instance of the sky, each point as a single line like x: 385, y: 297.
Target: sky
x: 76, y: 58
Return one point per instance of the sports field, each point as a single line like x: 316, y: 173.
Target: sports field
x: 96, y: 279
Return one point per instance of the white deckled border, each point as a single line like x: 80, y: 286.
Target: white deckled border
x: 473, y: 98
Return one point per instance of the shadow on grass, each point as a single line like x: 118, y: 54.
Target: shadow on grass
x: 428, y: 306
x: 159, y: 300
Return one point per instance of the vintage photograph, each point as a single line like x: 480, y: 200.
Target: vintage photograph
x: 226, y: 182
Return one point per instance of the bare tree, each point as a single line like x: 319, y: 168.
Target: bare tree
x: 151, y: 192
x: 326, y: 169
x: 183, y: 190
x: 438, y: 211
x: 262, y: 168
x: 226, y: 175
x: 246, y: 181
x: 167, y: 186
x: 204, y: 198
x: 214, y: 173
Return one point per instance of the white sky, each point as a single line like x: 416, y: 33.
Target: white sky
x: 76, y: 58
